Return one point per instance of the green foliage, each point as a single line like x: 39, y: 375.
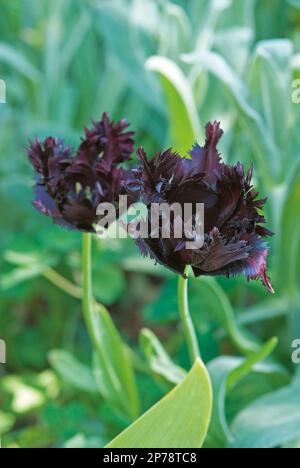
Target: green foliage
x: 164, y: 426
x: 226, y: 372
x: 270, y: 421
x: 158, y: 360
x: 183, y: 116
x: 76, y: 374
x: 112, y: 366
x: 167, y: 66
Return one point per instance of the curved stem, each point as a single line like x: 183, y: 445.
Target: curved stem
x: 62, y: 283
x: 187, y: 324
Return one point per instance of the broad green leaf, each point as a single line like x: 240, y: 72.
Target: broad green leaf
x: 72, y: 371
x: 225, y: 373
x: 269, y: 422
x: 112, y: 366
x: 158, y: 360
x: 183, y: 115
x: 180, y: 419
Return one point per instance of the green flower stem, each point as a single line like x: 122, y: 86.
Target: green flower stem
x: 88, y: 302
x: 89, y: 309
x: 186, y: 320
x: 85, y: 294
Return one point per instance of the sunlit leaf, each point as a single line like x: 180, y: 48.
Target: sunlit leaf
x: 179, y: 420
x: 182, y: 112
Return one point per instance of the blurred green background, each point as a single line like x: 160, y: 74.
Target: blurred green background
x: 64, y: 63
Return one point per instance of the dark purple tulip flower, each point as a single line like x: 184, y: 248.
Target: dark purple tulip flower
x: 69, y: 188
x: 233, y: 220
